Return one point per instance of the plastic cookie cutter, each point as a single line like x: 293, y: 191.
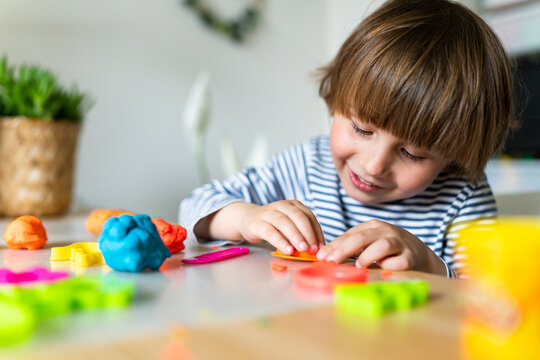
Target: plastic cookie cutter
x: 22, y: 307
x: 81, y: 254
x: 76, y: 293
x: 296, y: 255
x: 378, y: 298
x: 34, y: 275
x: 18, y: 322
x: 323, y: 276
x: 217, y: 256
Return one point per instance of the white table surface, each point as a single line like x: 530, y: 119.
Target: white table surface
x: 191, y: 295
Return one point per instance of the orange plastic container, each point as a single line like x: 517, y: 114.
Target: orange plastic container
x: 501, y: 303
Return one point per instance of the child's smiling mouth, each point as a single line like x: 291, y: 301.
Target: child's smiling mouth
x: 362, y: 184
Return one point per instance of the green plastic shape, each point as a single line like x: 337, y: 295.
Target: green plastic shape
x: 22, y: 307
x: 17, y: 324
x: 378, y: 298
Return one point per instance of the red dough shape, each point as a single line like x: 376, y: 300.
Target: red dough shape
x: 172, y: 235
x: 323, y: 276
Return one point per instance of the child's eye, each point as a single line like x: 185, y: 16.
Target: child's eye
x: 408, y: 155
x: 360, y: 131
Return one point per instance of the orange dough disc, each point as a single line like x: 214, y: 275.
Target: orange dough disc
x: 300, y: 255
x: 26, y: 231
x: 97, y: 218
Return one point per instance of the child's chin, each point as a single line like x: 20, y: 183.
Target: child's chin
x: 366, y: 199
x: 370, y: 198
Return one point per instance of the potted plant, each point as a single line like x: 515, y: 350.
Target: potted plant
x: 39, y: 126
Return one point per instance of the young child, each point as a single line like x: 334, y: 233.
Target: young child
x: 421, y: 98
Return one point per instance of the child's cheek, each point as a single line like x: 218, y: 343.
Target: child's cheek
x: 415, y: 182
x: 338, y: 145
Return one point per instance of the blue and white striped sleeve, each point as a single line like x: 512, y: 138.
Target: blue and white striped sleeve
x: 279, y: 179
x: 476, y: 204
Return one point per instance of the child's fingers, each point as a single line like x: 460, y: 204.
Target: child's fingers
x: 378, y: 250
x: 346, y: 245
x: 288, y: 229
x: 303, y: 223
x: 326, y: 251
x: 269, y: 233
x: 315, y: 228
x: 400, y: 262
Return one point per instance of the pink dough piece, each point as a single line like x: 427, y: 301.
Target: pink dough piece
x: 217, y: 256
x: 37, y: 274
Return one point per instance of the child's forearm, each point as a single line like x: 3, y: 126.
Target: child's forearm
x: 225, y: 223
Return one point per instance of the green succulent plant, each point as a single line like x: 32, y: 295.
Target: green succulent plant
x: 33, y: 92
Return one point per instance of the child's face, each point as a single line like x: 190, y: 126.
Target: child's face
x: 375, y: 166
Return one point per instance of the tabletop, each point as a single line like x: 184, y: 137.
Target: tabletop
x: 237, y: 308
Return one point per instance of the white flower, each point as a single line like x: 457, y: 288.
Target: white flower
x: 197, y: 110
x: 196, y: 120
x: 230, y: 162
x: 257, y: 157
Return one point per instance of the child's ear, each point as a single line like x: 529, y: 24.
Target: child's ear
x: 452, y: 167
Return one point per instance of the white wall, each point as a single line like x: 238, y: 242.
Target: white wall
x: 342, y: 17
x: 139, y: 58
x: 518, y: 27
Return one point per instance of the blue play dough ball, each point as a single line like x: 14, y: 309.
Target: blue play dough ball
x: 132, y: 243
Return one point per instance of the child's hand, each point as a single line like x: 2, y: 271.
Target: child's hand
x: 286, y: 224
x: 387, y: 245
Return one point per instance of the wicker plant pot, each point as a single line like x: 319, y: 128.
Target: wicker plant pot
x: 36, y: 166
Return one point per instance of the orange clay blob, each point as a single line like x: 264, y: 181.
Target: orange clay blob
x: 386, y: 274
x: 296, y: 255
x: 278, y: 267
x: 97, y: 218
x: 173, y: 236
x: 26, y: 231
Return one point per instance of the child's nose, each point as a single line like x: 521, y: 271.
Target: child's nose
x: 378, y: 162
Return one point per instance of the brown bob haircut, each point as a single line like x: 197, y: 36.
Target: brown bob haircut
x: 430, y: 72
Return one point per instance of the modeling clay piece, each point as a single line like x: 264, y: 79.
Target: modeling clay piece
x: 296, y: 255
x: 217, y: 256
x: 386, y: 274
x: 81, y: 254
x: 173, y: 236
x: 132, y: 243
x: 91, y: 292
x: 21, y: 307
x: 26, y: 231
x: 278, y: 267
x: 37, y: 274
x: 83, y: 292
x: 98, y: 217
x: 17, y: 323
x: 323, y: 276
x: 376, y: 299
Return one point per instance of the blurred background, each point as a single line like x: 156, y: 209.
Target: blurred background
x: 138, y: 59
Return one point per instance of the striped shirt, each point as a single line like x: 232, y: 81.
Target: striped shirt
x: 307, y: 173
